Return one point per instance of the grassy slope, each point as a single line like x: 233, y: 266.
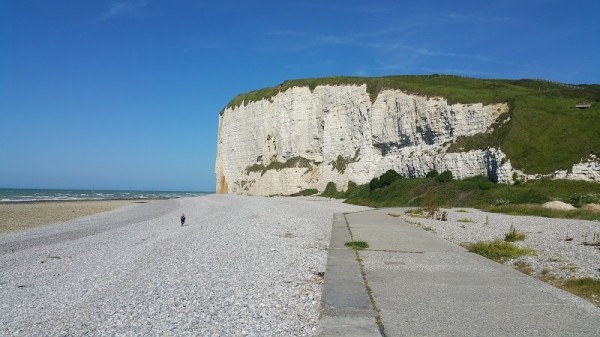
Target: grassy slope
x: 545, y: 133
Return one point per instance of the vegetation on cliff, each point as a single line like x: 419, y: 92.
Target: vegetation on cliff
x: 477, y: 192
x: 295, y: 162
x: 341, y: 163
x: 542, y: 132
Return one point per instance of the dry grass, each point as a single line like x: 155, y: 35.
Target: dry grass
x: 587, y: 288
x: 523, y: 267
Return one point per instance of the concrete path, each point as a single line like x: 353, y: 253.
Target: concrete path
x: 422, y: 285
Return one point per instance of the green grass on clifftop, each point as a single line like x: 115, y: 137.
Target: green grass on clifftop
x: 543, y: 131
x: 454, y: 88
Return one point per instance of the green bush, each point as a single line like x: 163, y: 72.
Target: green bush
x: 485, y: 184
x: 351, y: 187
x: 374, y: 184
x: 432, y: 174
x: 384, y: 180
x: 445, y: 176
x: 389, y: 177
x: 309, y: 191
x: 582, y: 199
x: 330, y: 190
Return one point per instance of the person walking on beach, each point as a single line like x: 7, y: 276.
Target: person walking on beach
x: 182, y: 219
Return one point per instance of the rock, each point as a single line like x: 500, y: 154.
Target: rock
x: 592, y: 207
x: 558, y: 205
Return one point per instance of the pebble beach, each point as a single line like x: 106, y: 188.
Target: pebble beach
x: 240, y: 266
x: 564, y: 248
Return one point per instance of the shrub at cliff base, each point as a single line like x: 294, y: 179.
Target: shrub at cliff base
x: 384, y: 180
x: 351, y: 187
x: 478, y: 192
x: 432, y: 174
x: 331, y: 191
x: 445, y: 177
x: 583, y: 199
x: 306, y: 192
x: 374, y: 184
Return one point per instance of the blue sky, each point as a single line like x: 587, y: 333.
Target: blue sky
x: 126, y: 94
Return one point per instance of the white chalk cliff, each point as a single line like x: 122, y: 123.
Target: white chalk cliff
x: 302, y: 139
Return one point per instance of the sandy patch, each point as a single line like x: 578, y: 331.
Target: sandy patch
x: 21, y: 216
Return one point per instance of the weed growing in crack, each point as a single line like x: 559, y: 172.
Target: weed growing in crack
x: 357, y: 245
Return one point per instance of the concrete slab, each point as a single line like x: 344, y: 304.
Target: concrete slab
x: 383, y: 233
x: 426, y: 286
x: 346, y: 309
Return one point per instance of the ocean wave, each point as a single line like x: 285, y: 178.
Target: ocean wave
x: 12, y: 196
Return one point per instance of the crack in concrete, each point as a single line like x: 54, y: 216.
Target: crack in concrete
x: 378, y: 320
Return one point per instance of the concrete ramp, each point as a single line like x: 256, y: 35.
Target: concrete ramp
x: 422, y: 285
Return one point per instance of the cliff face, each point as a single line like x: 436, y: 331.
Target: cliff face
x: 303, y: 139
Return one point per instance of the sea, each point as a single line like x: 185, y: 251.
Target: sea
x: 12, y: 195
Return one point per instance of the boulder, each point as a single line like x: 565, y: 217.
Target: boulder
x: 592, y: 207
x: 558, y: 205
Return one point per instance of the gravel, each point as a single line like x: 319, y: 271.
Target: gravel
x: 240, y: 266
x: 559, y: 243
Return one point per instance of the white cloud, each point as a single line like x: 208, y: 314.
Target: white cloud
x: 123, y: 8
x: 428, y: 52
